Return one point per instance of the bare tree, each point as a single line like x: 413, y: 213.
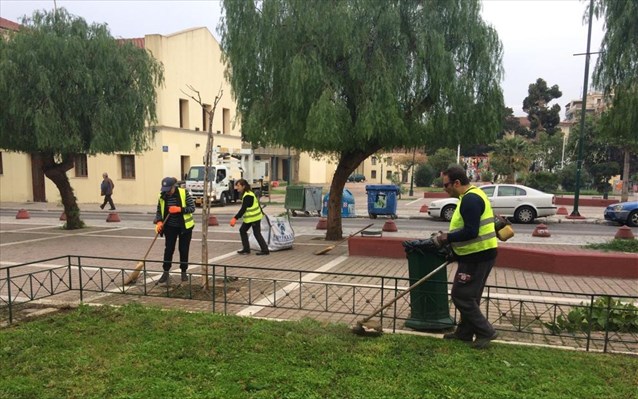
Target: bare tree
x: 208, y: 161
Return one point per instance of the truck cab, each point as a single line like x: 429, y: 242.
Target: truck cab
x: 221, y: 188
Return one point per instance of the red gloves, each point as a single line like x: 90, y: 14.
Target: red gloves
x: 159, y: 227
x: 174, y: 209
x: 232, y: 222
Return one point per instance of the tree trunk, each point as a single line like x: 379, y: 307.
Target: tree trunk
x: 57, y: 173
x: 624, y: 196
x: 348, y: 162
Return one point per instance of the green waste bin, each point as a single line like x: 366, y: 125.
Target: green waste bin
x: 430, y: 309
x: 294, y: 198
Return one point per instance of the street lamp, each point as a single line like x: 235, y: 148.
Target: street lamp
x: 579, y: 164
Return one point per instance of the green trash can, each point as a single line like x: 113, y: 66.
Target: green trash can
x: 294, y: 200
x: 430, y: 309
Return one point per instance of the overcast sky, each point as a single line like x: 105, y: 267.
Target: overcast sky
x: 539, y: 36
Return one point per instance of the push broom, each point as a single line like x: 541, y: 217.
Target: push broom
x: 373, y: 327
x: 140, y: 265
x: 333, y: 246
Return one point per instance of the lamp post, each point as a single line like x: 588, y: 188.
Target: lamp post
x: 579, y: 164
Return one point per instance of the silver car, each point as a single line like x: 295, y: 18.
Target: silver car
x: 522, y: 203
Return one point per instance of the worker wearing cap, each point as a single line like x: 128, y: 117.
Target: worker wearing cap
x: 174, y: 219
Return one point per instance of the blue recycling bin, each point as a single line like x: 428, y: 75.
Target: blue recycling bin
x: 382, y: 200
x: 347, y: 205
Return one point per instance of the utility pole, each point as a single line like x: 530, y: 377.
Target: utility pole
x: 579, y: 164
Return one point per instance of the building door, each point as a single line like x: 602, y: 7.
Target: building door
x: 37, y: 179
x: 185, y: 164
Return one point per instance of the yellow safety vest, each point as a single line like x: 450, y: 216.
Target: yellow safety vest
x: 189, y: 222
x: 486, y: 236
x: 252, y: 214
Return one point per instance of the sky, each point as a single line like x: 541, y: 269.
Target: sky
x: 540, y: 37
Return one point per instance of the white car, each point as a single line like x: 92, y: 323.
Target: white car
x: 523, y: 204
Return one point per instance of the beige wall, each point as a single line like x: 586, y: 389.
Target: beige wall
x: 15, y: 181
x: 313, y: 171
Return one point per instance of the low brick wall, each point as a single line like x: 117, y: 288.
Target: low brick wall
x: 586, y: 201
x: 575, y: 263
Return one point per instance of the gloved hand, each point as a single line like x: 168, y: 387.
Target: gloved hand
x: 174, y: 209
x: 159, y: 227
x: 439, y: 239
x: 232, y: 222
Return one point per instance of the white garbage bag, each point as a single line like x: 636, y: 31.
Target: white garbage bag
x: 276, y: 231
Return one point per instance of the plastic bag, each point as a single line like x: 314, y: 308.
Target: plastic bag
x: 277, y: 233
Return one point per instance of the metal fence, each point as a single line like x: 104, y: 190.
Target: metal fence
x: 591, y: 322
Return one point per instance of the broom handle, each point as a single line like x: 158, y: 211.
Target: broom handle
x: 404, y: 293
x: 155, y: 238
x: 353, y: 234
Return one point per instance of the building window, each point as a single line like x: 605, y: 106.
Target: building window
x: 388, y: 161
x: 373, y: 160
x: 183, y: 113
x: 388, y: 175
x: 127, y: 163
x: 81, y: 166
x: 373, y: 174
x: 1, y: 169
x: 226, y: 121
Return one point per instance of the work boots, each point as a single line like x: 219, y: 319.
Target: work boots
x: 164, y: 278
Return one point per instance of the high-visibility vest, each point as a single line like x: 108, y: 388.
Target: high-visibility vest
x: 486, y: 238
x: 252, y: 214
x: 189, y: 222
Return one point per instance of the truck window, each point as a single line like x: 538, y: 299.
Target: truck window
x: 196, y: 173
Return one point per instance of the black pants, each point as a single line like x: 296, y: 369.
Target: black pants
x: 171, y: 235
x: 243, y: 233
x: 109, y: 200
x: 467, y: 289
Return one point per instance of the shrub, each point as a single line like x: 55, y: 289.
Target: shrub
x: 544, y: 181
x: 424, y: 175
x: 604, y: 314
x: 567, y: 178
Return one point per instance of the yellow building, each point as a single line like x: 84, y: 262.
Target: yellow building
x: 192, y: 61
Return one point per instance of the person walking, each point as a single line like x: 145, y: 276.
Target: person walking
x: 174, y: 220
x: 106, y: 189
x: 251, y: 212
x: 472, y: 237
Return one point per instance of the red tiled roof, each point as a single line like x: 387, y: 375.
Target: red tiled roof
x: 524, y: 121
x: 137, y: 41
x: 6, y: 24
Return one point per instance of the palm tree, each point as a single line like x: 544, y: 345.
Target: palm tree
x: 510, y: 156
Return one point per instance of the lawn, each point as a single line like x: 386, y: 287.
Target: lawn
x: 138, y: 352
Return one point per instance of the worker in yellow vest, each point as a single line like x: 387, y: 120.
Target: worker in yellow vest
x: 473, y: 240
x: 174, y: 220
x: 251, y: 212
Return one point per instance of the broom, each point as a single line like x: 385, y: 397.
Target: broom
x: 140, y: 265
x: 374, y: 328
x: 330, y: 248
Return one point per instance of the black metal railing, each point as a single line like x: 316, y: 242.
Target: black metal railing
x: 582, y: 320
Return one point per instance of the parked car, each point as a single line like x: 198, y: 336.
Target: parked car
x: 623, y: 212
x: 356, y: 177
x: 521, y: 203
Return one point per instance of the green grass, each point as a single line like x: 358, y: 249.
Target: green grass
x: 137, y: 352
x: 616, y: 245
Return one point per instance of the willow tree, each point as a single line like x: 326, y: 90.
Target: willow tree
x: 616, y: 73
x: 69, y: 88
x: 350, y: 78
